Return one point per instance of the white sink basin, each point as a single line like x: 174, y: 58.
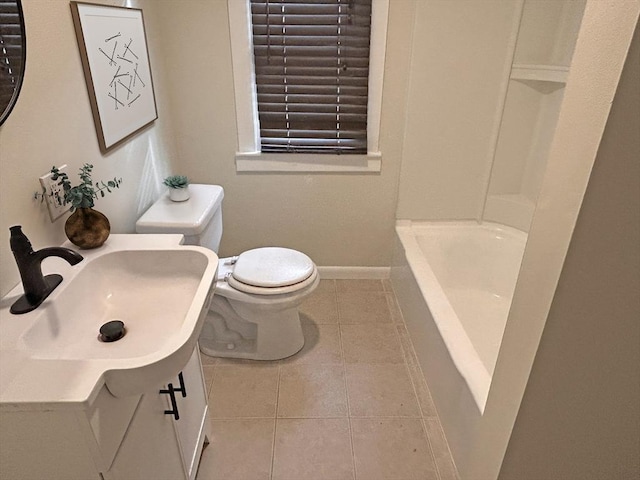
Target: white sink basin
x: 161, y: 295
x: 150, y: 291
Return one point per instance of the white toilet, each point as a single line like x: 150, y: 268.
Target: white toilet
x: 254, y: 311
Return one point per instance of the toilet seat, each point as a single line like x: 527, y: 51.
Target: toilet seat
x: 272, y: 271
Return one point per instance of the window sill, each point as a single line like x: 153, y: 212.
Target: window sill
x: 308, y: 163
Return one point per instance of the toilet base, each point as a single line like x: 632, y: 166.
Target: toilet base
x: 274, y: 336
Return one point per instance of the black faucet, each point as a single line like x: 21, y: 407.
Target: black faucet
x: 36, y: 286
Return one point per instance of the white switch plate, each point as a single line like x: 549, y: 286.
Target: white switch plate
x: 54, y: 194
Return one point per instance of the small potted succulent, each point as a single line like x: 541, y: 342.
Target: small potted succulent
x: 85, y: 227
x: 178, y: 187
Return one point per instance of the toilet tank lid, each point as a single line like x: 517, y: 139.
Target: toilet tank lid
x: 188, y: 218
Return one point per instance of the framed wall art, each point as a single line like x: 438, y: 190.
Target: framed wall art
x: 115, y: 60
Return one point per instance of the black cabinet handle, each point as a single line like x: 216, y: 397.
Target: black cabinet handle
x: 172, y: 396
x: 171, y: 391
x: 182, y: 389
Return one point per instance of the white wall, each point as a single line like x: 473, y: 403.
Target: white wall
x: 338, y: 219
x: 52, y: 125
x: 580, y: 415
x: 458, y: 60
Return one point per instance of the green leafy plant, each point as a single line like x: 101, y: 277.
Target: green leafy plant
x: 83, y: 194
x: 176, y: 181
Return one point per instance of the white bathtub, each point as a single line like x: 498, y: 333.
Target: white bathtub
x: 456, y: 280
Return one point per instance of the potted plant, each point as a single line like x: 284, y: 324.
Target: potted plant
x: 85, y: 227
x: 178, y: 187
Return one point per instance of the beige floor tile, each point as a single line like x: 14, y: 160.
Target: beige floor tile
x: 405, y: 342
x: 239, y: 450
x: 391, y: 449
x: 380, y: 391
x: 313, y: 449
x: 363, y: 307
x: 359, y: 286
x: 211, y: 361
x: 326, y: 286
x: 207, y: 371
x: 394, y: 309
x: 207, y: 360
x: 321, y: 307
x: 440, y: 449
x: 363, y: 364
x: 321, y: 346
x: 373, y: 343
x: 415, y: 373
x: 427, y: 407
x: 312, y: 391
x: 243, y: 391
x: 246, y: 362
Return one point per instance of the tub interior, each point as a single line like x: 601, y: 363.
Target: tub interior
x: 477, y: 267
x: 466, y: 273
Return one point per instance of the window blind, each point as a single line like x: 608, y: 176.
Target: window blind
x: 312, y: 70
x: 11, y: 50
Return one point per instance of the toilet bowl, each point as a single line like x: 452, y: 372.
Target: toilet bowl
x: 254, y: 310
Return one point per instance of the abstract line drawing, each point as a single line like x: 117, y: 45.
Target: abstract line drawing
x: 111, y: 38
x: 128, y: 70
x: 115, y: 61
x: 110, y: 57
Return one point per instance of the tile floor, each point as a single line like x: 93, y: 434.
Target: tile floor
x: 352, y: 404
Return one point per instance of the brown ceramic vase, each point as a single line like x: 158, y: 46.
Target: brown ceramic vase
x: 87, y: 228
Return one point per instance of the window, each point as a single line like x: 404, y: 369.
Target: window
x: 311, y: 61
x: 311, y: 101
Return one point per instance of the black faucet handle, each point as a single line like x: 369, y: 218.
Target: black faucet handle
x: 19, y: 242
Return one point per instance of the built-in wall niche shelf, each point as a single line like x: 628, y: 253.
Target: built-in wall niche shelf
x: 541, y: 73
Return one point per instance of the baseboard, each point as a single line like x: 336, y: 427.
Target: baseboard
x: 354, y: 273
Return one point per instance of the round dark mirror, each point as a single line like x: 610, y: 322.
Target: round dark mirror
x: 12, y: 54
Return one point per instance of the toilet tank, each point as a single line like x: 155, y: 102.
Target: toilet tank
x: 199, y: 219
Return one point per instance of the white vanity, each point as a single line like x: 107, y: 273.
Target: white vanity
x: 72, y: 407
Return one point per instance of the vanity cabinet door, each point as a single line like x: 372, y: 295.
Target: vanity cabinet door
x: 158, y: 445
x: 105, y: 424
x: 44, y: 445
x: 150, y: 449
x: 69, y: 444
x: 193, y: 426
